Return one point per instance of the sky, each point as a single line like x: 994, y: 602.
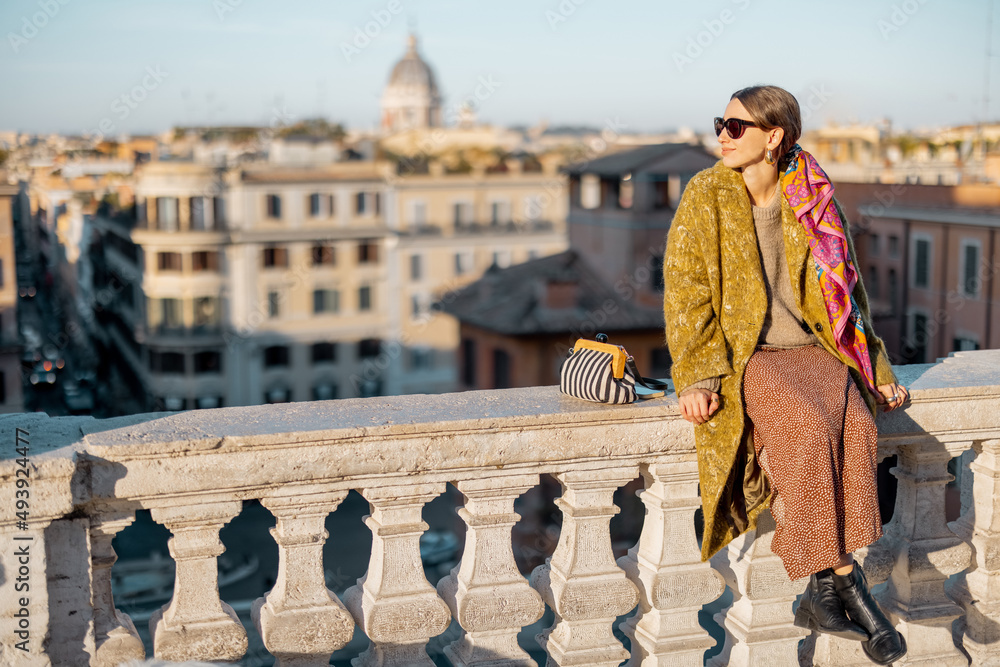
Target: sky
x: 637, y: 65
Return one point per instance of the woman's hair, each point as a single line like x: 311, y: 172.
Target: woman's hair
x: 771, y: 107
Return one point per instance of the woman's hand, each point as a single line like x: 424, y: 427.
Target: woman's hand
x: 698, y: 405
x: 892, y: 395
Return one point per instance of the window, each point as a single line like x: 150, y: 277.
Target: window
x: 368, y: 252
x: 418, y: 214
x: 197, y: 207
x: 208, y: 402
x: 275, y: 257
x: 171, y: 313
x: 656, y: 273
x: 421, y: 358
x: 326, y: 301
x: 416, y: 306
x: 320, y: 205
x: 168, y: 261
x: 278, y: 395
x: 462, y: 213
x: 893, y: 246
x: 917, y: 342
x: 170, y: 363
x: 501, y: 258
x: 205, y: 261
x: 590, y: 191
x: 893, y: 289
x: 324, y: 352
x: 626, y: 190
x: 275, y: 355
x: 207, y: 312
x: 873, y: 286
x: 468, y: 362
x: 365, y: 297
x: 273, y: 205
x: 325, y: 392
x: 208, y: 362
x: 969, y: 279
x: 463, y: 263
x: 273, y: 304
x: 367, y: 203
x: 323, y: 255
x: 219, y: 211
x: 873, y: 245
x: 416, y: 267
x: 661, y: 194
x: 501, y: 369
x: 965, y: 344
x: 166, y: 214
x: 499, y: 212
x: 921, y: 263
x: 369, y: 347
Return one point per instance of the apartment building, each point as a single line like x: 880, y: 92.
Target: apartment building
x: 452, y: 227
x: 274, y: 283
x: 11, y: 394
x: 250, y: 286
x: 928, y: 256
x: 517, y: 323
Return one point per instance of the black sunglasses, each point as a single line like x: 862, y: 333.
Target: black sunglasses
x: 733, y: 126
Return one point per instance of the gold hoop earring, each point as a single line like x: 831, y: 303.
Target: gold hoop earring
x: 768, y: 156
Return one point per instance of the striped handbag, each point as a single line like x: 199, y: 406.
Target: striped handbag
x: 604, y: 373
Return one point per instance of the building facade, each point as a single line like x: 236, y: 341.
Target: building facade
x: 273, y: 283
x: 929, y: 257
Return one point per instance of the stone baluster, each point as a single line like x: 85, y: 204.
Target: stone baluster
x: 581, y: 581
x: 300, y: 620
x: 666, y: 566
x: 393, y: 603
x: 115, y: 636
x: 759, y: 625
x: 927, y: 552
x: 978, y: 590
x: 196, y: 624
x: 487, y: 595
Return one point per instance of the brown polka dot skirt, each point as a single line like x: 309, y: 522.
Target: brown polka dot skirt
x: 817, y: 443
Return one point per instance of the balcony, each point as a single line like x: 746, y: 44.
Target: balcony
x: 193, y: 470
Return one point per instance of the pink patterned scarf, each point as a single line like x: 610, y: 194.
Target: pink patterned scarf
x: 810, y: 194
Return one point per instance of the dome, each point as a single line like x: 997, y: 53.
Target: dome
x: 412, y: 71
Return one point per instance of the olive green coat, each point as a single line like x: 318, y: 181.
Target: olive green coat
x: 714, y: 305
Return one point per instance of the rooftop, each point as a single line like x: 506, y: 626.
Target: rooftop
x: 657, y: 158
x: 515, y: 301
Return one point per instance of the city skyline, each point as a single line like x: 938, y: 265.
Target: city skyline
x: 650, y: 67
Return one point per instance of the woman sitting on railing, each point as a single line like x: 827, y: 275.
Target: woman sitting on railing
x: 775, y: 360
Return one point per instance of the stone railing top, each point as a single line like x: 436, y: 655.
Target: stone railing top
x: 449, y: 436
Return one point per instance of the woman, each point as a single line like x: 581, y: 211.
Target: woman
x: 777, y: 365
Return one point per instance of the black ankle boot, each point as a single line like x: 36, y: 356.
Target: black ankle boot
x: 884, y: 644
x: 822, y: 609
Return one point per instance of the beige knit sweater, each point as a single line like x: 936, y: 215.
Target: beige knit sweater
x: 783, y: 325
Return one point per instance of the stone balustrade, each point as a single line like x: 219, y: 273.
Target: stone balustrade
x: 192, y: 470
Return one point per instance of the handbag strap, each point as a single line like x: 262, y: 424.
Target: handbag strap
x: 648, y: 383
